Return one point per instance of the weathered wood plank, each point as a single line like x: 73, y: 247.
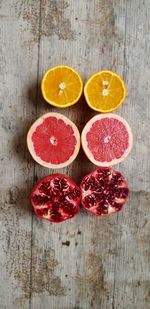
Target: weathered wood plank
x: 132, y: 276
x: 88, y: 262
x: 83, y: 273
x: 18, y: 71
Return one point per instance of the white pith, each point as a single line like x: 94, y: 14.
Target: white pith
x: 53, y: 140
x: 107, y: 139
x: 105, y: 92
x: 62, y: 86
x: 105, y: 83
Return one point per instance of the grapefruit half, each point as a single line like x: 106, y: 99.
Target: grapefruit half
x: 53, y: 141
x: 106, y: 139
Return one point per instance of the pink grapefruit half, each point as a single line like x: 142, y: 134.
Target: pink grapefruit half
x: 106, y: 139
x: 53, y: 141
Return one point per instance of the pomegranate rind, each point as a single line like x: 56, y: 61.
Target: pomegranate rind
x: 30, y: 144
x: 49, y: 178
x: 111, y: 210
x: 86, y: 149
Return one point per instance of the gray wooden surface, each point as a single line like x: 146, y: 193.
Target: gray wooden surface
x: 87, y: 262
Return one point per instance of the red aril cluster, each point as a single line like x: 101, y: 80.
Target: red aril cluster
x: 104, y: 191
x: 56, y: 198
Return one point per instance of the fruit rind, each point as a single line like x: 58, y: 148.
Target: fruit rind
x: 87, y: 150
x: 100, y: 109
x: 51, y: 176
x: 52, y: 102
x: 31, y: 147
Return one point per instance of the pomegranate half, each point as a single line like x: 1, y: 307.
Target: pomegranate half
x: 56, y: 198
x: 104, y: 191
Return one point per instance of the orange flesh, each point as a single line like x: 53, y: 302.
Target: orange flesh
x: 105, y: 91
x: 61, y: 86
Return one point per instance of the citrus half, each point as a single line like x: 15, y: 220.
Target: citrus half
x: 53, y: 141
x: 106, y: 139
x: 61, y: 86
x: 105, y: 91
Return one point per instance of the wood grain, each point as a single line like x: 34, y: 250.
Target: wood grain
x: 87, y: 262
x: 18, y: 71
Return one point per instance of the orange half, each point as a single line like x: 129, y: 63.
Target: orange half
x: 61, y: 86
x: 105, y: 91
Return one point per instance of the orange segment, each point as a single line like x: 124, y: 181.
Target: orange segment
x: 105, y: 91
x: 61, y: 86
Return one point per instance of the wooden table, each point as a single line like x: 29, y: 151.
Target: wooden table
x: 87, y: 262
